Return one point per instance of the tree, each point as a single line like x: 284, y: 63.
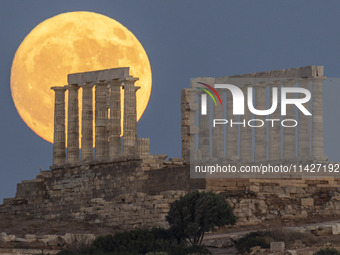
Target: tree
x: 198, y: 212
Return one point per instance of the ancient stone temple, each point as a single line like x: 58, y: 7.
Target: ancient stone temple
x: 108, y: 128
x: 123, y: 186
x: 269, y: 143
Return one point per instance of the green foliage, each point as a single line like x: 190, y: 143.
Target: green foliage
x: 134, y: 242
x: 198, y: 212
x: 152, y: 242
x: 327, y: 251
x: 156, y: 241
x: 253, y: 239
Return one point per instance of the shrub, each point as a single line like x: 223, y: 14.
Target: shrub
x: 134, y: 242
x: 253, y: 239
x: 327, y: 251
x: 152, y: 242
x: 128, y: 243
x: 196, y: 213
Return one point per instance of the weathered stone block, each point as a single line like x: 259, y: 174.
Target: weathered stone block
x: 12, y: 238
x: 5, y: 238
x: 277, y: 246
x: 336, y: 228
x: 21, y: 240
x: 294, y: 190
x: 254, y: 188
x: 289, y: 209
x: 31, y: 238
x: 307, y: 202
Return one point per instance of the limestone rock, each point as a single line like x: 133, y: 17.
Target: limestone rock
x: 5, y: 238
x: 12, y: 238
x: 255, y: 249
x: 51, y: 240
x: 289, y: 209
x: 21, y: 240
x: 336, y: 228
x: 307, y: 202
x: 31, y: 238
x: 277, y: 246
x: 69, y: 238
x: 85, y: 238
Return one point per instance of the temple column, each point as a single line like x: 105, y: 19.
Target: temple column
x: 246, y: 133
x: 218, y: 130
x: 289, y: 137
x: 204, y: 131
x: 232, y: 131
x: 101, y: 122
x: 115, y: 147
x: 87, y: 123
x: 59, y: 154
x: 189, y: 107
x: 274, y: 146
x: 304, y: 126
x: 143, y: 146
x: 130, y: 117
x: 185, y: 124
x: 73, y: 124
x: 317, y: 120
x: 260, y: 151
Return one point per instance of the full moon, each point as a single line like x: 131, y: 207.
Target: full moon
x: 70, y: 43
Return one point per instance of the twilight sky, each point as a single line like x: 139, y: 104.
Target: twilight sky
x: 183, y: 40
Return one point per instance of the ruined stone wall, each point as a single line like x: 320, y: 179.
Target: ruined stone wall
x: 258, y: 200
x: 137, y: 194
x: 124, y: 194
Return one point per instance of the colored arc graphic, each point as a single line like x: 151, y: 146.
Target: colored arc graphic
x: 213, y: 90
x: 207, y: 91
